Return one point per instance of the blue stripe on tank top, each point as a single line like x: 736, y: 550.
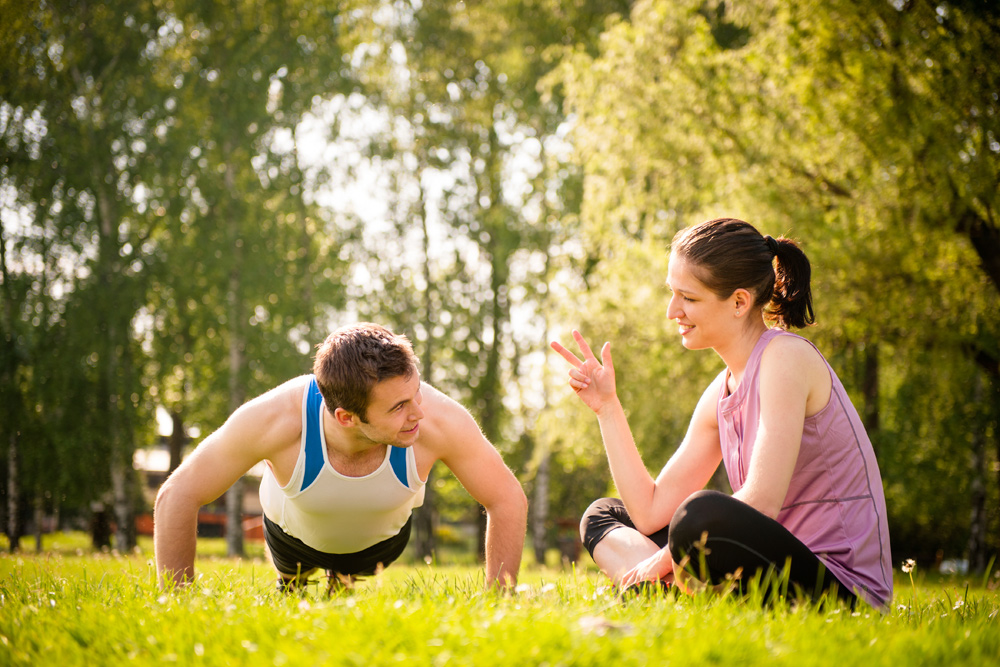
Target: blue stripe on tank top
x: 314, y: 444
x: 397, y: 458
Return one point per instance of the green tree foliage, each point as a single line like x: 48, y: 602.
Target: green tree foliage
x: 151, y: 173
x: 242, y: 76
x: 868, y: 131
x: 172, y: 233
x: 75, y: 111
x: 474, y: 205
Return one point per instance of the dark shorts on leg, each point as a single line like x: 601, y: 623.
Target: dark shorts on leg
x: 714, y: 535
x: 607, y: 514
x: 292, y: 557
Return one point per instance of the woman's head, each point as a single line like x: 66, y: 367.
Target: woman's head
x: 727, y: 254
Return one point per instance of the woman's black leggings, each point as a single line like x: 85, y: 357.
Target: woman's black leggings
x: 717, y: 535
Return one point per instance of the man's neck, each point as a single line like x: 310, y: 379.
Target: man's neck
x: 347, y: 443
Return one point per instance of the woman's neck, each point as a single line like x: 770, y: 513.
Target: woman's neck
x: 737, y: 352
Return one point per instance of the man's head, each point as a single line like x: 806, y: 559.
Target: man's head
x: 353, y: 359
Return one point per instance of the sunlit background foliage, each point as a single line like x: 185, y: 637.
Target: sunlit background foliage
x: 194, y: 192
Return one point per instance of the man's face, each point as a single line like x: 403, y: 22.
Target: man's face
x: 394, y: 412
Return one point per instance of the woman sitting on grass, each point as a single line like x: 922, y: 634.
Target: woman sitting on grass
x: 807, y: 490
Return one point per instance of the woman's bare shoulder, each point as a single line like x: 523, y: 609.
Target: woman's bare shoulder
x: 792, y: 351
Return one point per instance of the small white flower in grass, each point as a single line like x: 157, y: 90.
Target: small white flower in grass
x: 522, y: 588
x: 304, y: 605
x: 908, y: 566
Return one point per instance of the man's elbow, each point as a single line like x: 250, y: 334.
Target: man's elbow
x: 522, y: 502
x: 173, y: 499
x: 165, y: 497
x: 512, y: 503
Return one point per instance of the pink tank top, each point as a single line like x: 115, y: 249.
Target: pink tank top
x: 835, y: 503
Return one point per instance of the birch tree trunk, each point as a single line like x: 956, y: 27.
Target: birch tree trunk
x: 237, y: 345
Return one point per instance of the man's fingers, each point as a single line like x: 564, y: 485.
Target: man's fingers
x: 566, y: 354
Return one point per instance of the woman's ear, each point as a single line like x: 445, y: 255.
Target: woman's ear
x: 742, y: 301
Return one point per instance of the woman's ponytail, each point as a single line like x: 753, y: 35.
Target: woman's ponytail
x: 791, y: 301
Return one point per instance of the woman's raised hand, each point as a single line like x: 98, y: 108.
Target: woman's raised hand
x: 592, y: 380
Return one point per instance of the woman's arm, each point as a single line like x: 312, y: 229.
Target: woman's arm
x: 650, y: 503
x: 794, y: 383
x: 692, y: 465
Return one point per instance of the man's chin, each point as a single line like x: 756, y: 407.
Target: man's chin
x: 407, y: 438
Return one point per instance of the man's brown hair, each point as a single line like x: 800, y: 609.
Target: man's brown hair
x: 354, y: 358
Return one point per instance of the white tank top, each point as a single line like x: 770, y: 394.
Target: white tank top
x: 334, y: 513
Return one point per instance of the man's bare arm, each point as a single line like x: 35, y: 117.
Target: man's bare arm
x: 250, y: 435
x: 481, y: 470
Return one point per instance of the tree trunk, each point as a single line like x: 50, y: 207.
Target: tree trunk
x: 870, y: 389
x: 425, y: 517
x: 14, y: 525
x: 978, y: 521
x: 491, y: 381
x: 121, y: 473
x: 13, y: 402
x: 540, y: 507
x: 237, y: 393
x: 979, y: 528
x: 39, y: 521
x: 176, y: 441
x: 540, y: 495
x: 985, y: 239
x: 234, y: 497
x: 498, y: 249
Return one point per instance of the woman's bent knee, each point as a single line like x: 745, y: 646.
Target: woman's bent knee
x: 694, y: 519
x: 603, y: 516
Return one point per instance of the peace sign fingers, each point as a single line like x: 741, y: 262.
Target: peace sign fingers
x: 593, y: 381
x: 566, y: 354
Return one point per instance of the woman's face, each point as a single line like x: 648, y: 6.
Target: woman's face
x: 704, y: 320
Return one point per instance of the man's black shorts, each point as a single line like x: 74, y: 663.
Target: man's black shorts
x: 292, y: 557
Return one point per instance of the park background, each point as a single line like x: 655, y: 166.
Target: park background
x: 194, y: 193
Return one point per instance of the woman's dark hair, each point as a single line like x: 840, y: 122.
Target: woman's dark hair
x: 727, y: 254
x: 353, y: 359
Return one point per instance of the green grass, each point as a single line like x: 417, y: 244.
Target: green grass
x: 72, y: 607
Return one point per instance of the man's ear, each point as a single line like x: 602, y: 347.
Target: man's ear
x: 345, y: 418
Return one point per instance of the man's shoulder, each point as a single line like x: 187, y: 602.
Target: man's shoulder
x: 436, y: 396
x: 288, y: 390
x: 446, y: 421
x: 279, y: 405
